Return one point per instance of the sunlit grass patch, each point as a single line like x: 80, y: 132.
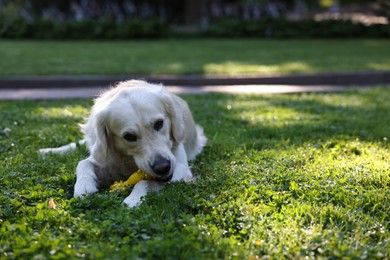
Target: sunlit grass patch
x: 238, y: 68
x: 283, y: 176
x: 379, y: 65
x: 55, y: 112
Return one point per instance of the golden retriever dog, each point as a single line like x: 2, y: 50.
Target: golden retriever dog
x: 137, y: 125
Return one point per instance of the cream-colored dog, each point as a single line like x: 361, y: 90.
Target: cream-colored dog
x: 137, y: 125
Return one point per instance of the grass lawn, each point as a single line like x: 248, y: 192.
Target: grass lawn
x: 285, y: 176
x: 205, y: 57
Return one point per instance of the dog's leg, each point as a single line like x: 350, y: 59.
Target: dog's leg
x: 62, y: 149
x: 140, y: 190
x: 182, y: 171
x: 86, y: 179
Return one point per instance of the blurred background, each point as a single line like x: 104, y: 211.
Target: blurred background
x: 127, y: 19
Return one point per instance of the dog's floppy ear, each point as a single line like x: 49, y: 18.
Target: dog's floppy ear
x: 100, y: 148
x: 174, y: 109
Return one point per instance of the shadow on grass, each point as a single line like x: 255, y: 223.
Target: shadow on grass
x: 255, y: 121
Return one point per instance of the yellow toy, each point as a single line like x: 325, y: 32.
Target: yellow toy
x: 123, y: 186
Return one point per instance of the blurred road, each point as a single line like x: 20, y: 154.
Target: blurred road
x: 90, y: 92
x: 60, y: 87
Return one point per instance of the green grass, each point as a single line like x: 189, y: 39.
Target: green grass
x: 205, y: 57
x: 285, y: 176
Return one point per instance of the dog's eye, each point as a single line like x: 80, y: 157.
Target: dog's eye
x: 130, y: 137
x: 158, y: 125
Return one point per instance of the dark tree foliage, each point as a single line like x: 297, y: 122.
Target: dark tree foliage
x: 124, y: 19
x: 172, y: 11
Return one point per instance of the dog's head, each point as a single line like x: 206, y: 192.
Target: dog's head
x: 139, y: 122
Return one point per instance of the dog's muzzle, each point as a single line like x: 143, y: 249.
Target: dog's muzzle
x: 162, y: 168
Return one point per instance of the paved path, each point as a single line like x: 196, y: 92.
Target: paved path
x: 88, y: 92
x: 332, y: 79
x: 57, y: 87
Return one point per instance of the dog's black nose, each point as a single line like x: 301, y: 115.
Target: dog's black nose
x: 161, y: 166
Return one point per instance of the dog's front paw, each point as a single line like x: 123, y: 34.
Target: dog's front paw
x: 84, y: 187
x: 132, y: 201
x: 182, y: 173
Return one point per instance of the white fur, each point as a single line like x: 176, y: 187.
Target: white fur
x: 62, y: 149
x: 133, y: 107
